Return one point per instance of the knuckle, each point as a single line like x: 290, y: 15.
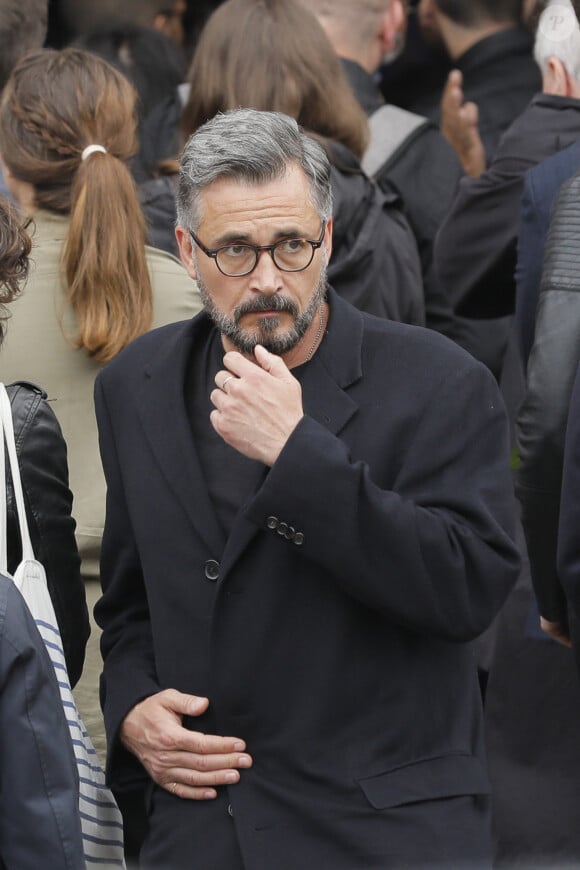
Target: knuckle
x: 202, y: 763
x: 167, y: 741
x: 164, y: 759
x: 193, y: 778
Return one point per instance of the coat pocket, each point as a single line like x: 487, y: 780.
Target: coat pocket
x: 428, y: 779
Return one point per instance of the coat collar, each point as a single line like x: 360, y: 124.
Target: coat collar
x: 325, y: 380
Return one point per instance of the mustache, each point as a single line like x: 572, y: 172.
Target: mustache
x: 265, y: 303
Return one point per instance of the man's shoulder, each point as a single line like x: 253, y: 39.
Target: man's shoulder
x: 549, y: 175
x: 419, y: 367
x: 414, y: 347
x: 537, y: 130
x: 143, y: 351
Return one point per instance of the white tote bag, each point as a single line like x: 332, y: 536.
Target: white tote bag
x: 101, y: 821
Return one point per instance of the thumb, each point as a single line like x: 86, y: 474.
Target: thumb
x: 186, y: 705
x: 455, y: 78
x: 271, y: 363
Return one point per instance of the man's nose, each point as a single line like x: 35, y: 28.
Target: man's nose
x: 266, y: 277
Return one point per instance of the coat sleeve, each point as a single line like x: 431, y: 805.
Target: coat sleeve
x: 434, y: 552
x: 475, y: 250
x: 129, y: 673
x: 44, y: 472
x: 569, y: 527
x: 39, y: 817
x: 534, y: 223
x: 541, y: 422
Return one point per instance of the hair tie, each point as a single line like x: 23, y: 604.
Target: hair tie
x: 91, y: 149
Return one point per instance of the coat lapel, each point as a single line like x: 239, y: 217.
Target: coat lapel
x: 166, y: 426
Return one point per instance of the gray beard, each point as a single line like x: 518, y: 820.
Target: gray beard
x: 265, y: 331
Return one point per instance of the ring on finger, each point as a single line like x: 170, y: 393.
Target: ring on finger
x: 173, y: 787
x: 229, y: 378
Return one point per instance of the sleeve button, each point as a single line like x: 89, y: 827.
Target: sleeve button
x: 272, y: 522
x: 289, y: 534
x: 282, y: 529
x: 298, y: 539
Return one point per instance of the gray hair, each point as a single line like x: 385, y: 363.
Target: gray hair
x: 558, y: 35
x: 254, y: 146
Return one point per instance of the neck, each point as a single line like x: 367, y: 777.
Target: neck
x: 460, y: 39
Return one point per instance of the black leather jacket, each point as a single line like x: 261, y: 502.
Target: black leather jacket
x: 42, y: 458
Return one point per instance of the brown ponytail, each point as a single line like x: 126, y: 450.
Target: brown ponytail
x: 54, y: 106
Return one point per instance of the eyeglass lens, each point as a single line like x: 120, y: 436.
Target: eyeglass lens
x: 290, y: 255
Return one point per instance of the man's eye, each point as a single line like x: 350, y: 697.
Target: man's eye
x: 292, y: 246
x: 235, y: 250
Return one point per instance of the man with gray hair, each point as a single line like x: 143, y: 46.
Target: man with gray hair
x: 23, y: 26
x: 306, y: 521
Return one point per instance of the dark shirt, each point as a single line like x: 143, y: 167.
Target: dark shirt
x: 230, y: 476
x: 501, y: 76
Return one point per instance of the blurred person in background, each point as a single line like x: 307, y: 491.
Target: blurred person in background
x: 67, y: 131
x: 23, y: 26
x: 39, y: 798
x: 406, y: 154
x: 165, y: 16
x: 42, y: 458
x: 274, y: 55
x: 494, y: 68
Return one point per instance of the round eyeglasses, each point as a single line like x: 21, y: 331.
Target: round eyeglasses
x: 236, y: 260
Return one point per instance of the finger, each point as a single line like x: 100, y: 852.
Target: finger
x: 193, y: 794
x: 271, y: 363
x: 206, y: 779
x: 172, y: 765
x: 211, y: 744
x: 179, y: 702
x: 217, y: 398
x: 238, y: 365
x: 452, y: 98
x: 455, y: 78
x: 220, y: 380
x: 470, y: 114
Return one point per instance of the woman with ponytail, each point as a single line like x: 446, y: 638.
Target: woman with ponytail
x: 67, y: 130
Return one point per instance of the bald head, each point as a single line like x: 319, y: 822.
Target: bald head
x: 355, y: 27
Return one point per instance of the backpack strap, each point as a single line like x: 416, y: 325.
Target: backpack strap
x: 391, y: 128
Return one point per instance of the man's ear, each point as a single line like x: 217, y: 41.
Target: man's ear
x: 185, y: 245
x: 557, y: 81
x: 392, y: 22
x: 327, y: 243
x: 160, y: 23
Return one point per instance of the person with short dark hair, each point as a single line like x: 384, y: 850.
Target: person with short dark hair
x: 493, y: 64
x: 163, y: 15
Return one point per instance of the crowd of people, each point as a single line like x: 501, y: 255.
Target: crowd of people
x: 292, y: 341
